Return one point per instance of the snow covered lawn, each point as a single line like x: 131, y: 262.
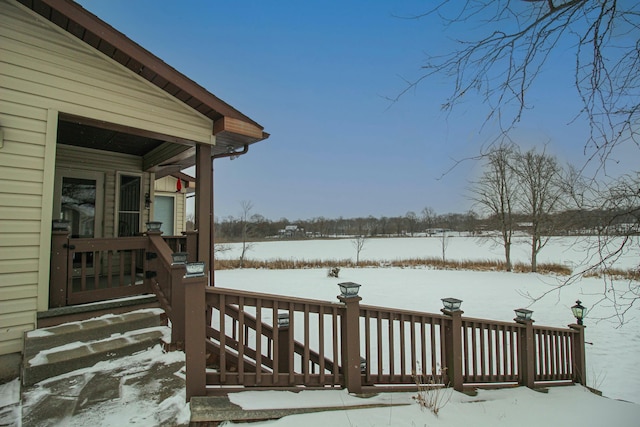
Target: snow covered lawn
x: 560, y: 406
x: 611, y: 357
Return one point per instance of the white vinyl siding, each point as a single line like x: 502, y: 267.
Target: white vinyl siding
x: 78, y: 158
x: 43, y: 71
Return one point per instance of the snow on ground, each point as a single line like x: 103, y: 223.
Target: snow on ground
x: 571, y: 251
x: 611, y: 359
x: 509, y: 407
x: 150, y: 392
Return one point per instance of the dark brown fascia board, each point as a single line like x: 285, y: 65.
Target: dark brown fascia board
x: 92, y: 23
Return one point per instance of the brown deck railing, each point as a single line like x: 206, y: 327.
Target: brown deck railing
x: 554, y: 354
x: 260, y: 353
x: 86, y: 270
x: 490, y: 351
x: 321, y: 346
x: 402, y: 346
x: 89, y: 270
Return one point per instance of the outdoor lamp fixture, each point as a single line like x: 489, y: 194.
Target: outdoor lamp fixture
x: 283, y: 320
x: 451, y: 304
x: 147, y: 201
x: 179, y: 258
x: 523, y: 314
x: 579, y: 311
x: 195, y: 269
x: 154, y: 225
x: 349, y: 289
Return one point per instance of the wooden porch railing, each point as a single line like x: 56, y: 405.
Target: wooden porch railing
x: 259, y: 352
x: 88, y: 270
x: 320, y: 346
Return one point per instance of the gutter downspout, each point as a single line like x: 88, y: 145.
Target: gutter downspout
x: 233, y: 155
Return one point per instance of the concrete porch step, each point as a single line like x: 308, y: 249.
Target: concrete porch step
x: 60, y: 349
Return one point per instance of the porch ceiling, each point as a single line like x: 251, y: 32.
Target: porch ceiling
x: 81, y: 135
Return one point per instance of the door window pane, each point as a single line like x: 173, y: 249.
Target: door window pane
x: 129, y: 206
x: 78, y: 205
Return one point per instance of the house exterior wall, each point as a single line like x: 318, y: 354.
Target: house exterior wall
x: 43, y: 72
x: 166, y: 186
x: 79, y: 158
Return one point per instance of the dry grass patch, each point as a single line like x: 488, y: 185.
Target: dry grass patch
x: 435, y: 263
x: 615, y: 273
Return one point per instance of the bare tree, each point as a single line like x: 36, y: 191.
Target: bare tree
x: 515, y: 39
x: 495, y: 192
x: 412, y: 222
x: 617, y: 206
x: 444, y: 244
x: 245, y: 214
x: 358, y: 244
x: 539, y: 181
x: 429, y: 216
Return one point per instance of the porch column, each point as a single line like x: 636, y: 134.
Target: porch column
x: 204, y: 203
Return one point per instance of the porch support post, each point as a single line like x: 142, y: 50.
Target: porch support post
x: 526, y: 350
x: 453, y: 349
x: 579, y: 360
x: 178, y: 324
x: 58, y: 272
x: 350, y: 325
x: 204, y: 197
x: 192, y: 245
x: 195, y: 336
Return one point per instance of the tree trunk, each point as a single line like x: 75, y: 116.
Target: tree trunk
x: 507, y: 255
x: 534, y: 255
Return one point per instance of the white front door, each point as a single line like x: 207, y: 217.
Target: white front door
x: 164, y: 211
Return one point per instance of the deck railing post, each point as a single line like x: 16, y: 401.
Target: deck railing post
x: 350, y: 328
x: 178, y: 301
x: 284, y: 347
x: 192, y: 245
x: 526, y: 353
x: 195, y: 336
x: 58, y: 268
x: 151, y: 266
x: 578, y: 352
x: 453, y: 348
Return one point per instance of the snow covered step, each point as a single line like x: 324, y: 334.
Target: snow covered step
x: 57, y: 350
x: 89, y: 330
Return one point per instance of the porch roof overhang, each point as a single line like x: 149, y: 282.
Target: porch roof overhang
x: 231, y: 128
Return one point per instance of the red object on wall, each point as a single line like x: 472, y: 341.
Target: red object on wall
x: 178, y: 186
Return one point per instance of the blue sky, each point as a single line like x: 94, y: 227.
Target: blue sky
x: 317, y: 76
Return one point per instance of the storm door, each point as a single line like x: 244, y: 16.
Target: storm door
x: 78, y: 200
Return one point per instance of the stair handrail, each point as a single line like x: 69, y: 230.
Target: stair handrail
x: 165, y: 279
x: 267, y: 331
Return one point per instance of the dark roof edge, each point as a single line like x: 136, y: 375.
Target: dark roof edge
x: 78, y: 14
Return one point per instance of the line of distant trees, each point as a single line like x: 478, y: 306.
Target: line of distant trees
x: 257, y: 227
